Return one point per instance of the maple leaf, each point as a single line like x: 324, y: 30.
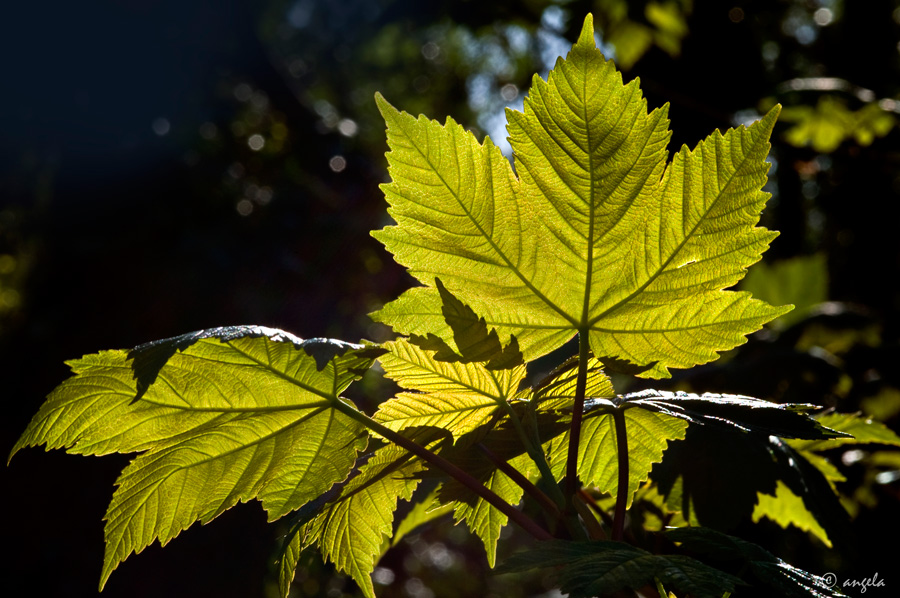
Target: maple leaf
x: 596, y: 235
x: 231, y: 414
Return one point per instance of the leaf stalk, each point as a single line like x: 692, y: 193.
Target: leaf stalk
x: 449, y: 468
x: 618, y: 530
x: 572, y: 484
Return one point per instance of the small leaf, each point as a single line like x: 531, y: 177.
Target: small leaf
x: 786, y: 508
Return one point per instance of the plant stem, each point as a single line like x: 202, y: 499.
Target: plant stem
x: 516, y: 476
x: 584, y: 351
x: 447, y: 467
x: 622, y: 491
x: 660, y: 588
x: 532, y: 446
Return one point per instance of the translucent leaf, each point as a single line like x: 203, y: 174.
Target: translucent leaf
x: 484, y: 520
x: 596, y: 235
x: 424, y: 511
x: 786, y: 508
x: 648, y: 437
x: 802, y: 281
x: 220, y: 422
x: 350, y: 531
x: 456, y: 397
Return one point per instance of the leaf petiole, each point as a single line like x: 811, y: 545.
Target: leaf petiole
x: 449, y: 468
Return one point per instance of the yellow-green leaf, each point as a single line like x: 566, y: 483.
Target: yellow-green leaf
x: 596, y: 234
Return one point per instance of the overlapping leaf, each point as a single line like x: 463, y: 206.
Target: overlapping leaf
x: 596, y: 235
x: 218, y: 422
x: 453, y: 396
x: 587, y: 569
x: 350, y: 531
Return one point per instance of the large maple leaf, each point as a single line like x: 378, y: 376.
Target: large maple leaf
x: 596, y: 235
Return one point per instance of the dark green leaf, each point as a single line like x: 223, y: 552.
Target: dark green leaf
x: 765, y: 569
x: 588, y: 569
x: 787, y: 420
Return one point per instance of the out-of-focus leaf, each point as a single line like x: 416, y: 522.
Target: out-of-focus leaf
x: 830, y: 122
x: 858, y: 429
x: 801, y: 281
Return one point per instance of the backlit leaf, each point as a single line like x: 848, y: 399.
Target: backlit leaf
x: 220, y: 422
x: 350, y: 532
x: 596, y: 234
x: 456, y: 397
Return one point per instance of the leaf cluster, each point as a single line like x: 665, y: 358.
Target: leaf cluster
x: 591, y: 234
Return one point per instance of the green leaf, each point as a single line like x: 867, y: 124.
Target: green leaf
x: 350, y: 532
x: 802, y: 281
x: 456, y: 397
x: 648, y: 434
x: 715, y: 476
x: 222, y: 422
x: 767, y: 572
x: 596, y: 235
x: 858, y: 429
x: 484, y: 520
x: 587, y: 569
x: 786, y: 508
x: 748, y: 414
x: 424, y: 511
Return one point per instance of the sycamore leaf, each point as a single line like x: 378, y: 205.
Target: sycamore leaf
x: 221, y: 422
x: 453, y: 396
x: 648, y: 435
x: 767, y: 572
x: 748, y: 414
x: 596, y: 235
x: 586, y: 569
x: 350, y: 532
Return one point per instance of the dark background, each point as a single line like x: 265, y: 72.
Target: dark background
x: 170, y: 166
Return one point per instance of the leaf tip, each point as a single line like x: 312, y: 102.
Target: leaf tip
x: 385, y: 107
x: 587, y: 32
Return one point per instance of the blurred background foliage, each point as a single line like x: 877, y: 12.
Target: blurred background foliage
x: 169, y: 166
